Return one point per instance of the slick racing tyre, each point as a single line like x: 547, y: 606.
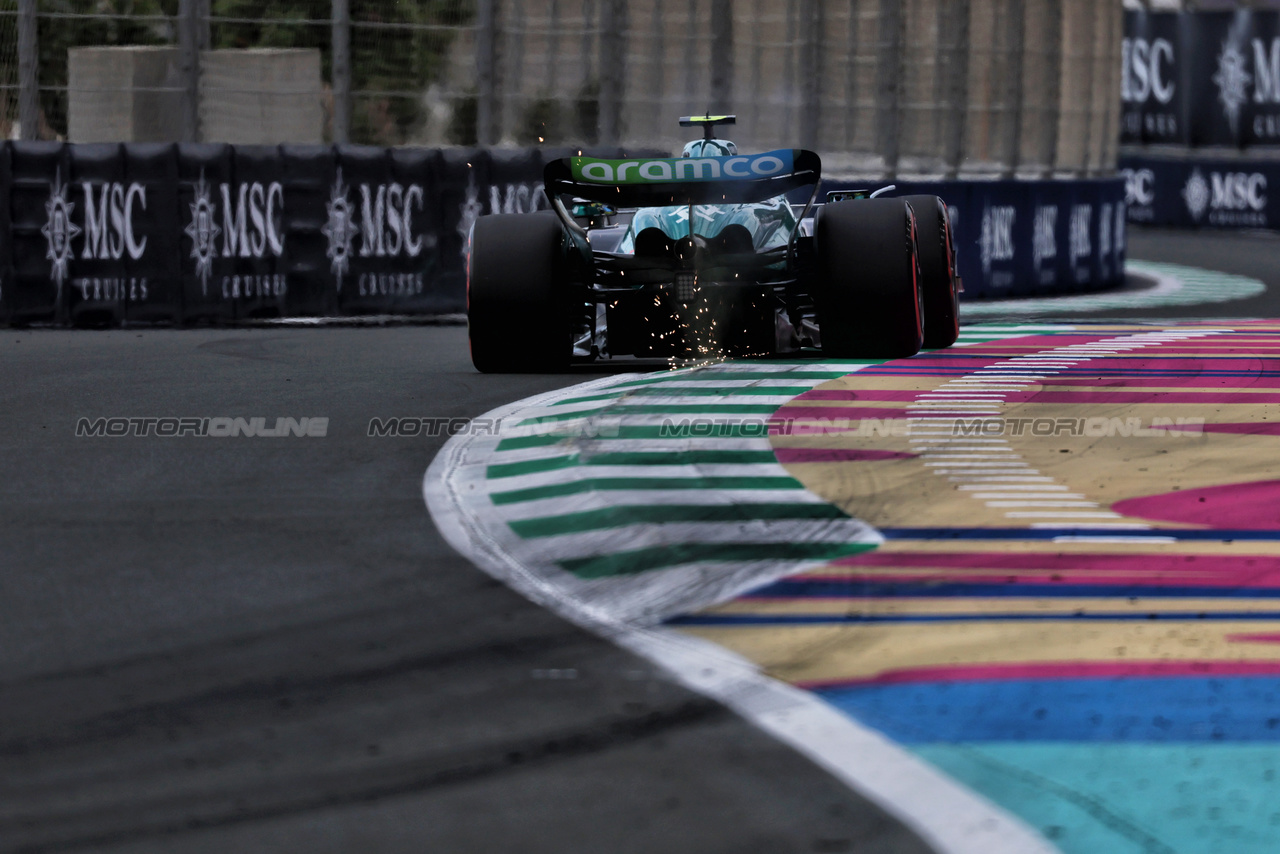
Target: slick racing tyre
x: 517, y: 310
x: 941, y: 300
x: 867, y: 291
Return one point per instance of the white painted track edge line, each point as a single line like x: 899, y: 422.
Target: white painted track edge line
x: 948, y: 816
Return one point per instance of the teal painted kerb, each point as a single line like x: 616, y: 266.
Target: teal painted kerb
x: 1117, y: 798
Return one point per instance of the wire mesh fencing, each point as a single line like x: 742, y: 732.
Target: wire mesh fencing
x: 9, y: 68
x: 57, y: 28
x: 1004, y: 87
x: 878, y: 86
x: 918, y: 87
x: 233, y: 70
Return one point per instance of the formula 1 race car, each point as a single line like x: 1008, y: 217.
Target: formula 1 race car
x: 703, y: 255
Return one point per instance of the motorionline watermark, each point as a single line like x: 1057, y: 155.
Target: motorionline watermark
x: 434, y: 426
x: 597, y: 427
x: 1094, y: 427
x: 677, y: 428
x: 590, y: 427
x: 218, y: 427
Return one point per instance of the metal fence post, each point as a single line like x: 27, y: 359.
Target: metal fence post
x: 656, y: 80
x: 811, y: 37
x: 1053, y: 97
x: 28, y: 64
x: 785, y: 112
x: 721, y: 56
x: 613, y: 48
x: 1015, y: 43
x: 1109, y: 140
x: 953, y: 81
x: 692, y: 64
x: 486, y: 15
x: 204, y: 36
x: 1091, y: 31
x: 189, y: 63
x: 553, y: 45
x: 756, y: 85
x: 341, y: 71
x: 889, y: 84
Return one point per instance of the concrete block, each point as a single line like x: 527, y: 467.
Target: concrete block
x: 261, y: 96
x: 124, y: 94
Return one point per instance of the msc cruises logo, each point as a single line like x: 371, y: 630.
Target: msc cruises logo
x: 996, y: 242
x: 1232, y: 79
x: 1196, y: 194
x: 340, y: 230
x: 1228, y: 198
x: 251, y: 227
x: 1078, y: 233
x: 1044, y: 232
x: 469, y: 212
x: 59, y: 230
x: 383, y: 220
x: 593, y: 171
x: 203, y: 232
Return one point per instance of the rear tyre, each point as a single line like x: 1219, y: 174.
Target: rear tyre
x: 517, y: 309
x: 941, y: 302
x: 868, y: 286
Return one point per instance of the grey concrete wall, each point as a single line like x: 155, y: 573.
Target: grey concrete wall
x: 261, y: 96
x: 134, y: 94
x: 123, y: 94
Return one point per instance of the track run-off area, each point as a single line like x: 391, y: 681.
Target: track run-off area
x: 1021, y: 593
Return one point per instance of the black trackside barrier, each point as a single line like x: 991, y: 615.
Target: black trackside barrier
x: 213, y: 233
x: 41, y: 232
x: 510, y: 189
x: 382, y: 230
x: 98, y: 286
x: 152, y: 264
x: 991, y: 226
x: 359, y: 228
x: 1201, y: 192
x: 1166, y: 109
x: 1154, y: 79
x: 308, y: 175
x: 1215, y: 43
x: 462, y: 183
x: 1108, y: 232
x: 6, y: 259
x: 1025, y: 238
x: 414, y: 172
x: 1135, y: 86
x: 253, y: 236
x: 1028, y: 238
x: 1201, y: 78
x: 204, y: 173
x: 1260, y: 114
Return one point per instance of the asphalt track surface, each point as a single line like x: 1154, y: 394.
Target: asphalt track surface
x: 263, y: 644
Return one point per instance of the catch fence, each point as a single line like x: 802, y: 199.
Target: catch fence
x: 885, y: 87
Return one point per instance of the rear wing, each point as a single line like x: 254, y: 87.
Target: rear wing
x: 707, y: 123
x: 656, y: 182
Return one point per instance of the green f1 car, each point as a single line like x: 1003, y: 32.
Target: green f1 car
x: 702, y: 255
